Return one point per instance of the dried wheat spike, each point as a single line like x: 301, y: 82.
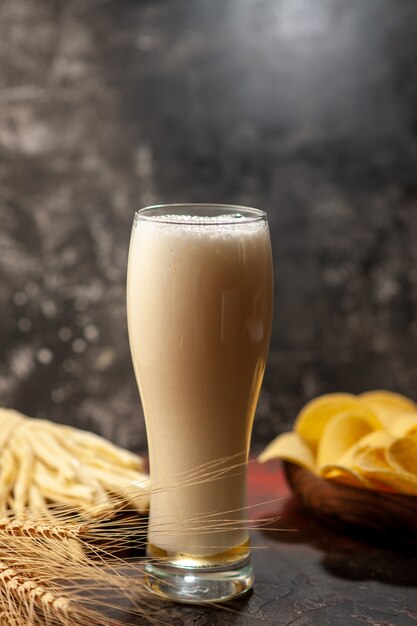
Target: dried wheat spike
x: 26, y: 602
x: 24, y: 590
x: 20, y: 528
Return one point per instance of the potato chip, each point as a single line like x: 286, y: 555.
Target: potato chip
x: 387, y: 405
x: 368, y: 457
x: 343, y: 475
x: 395, y: 481
x: 312, y: 419
x: 341, y: 432
x: 289, y: 447
x: 367, y: 441
x: 403, y: 424
x: 368, y: 454
x: 402, y: 455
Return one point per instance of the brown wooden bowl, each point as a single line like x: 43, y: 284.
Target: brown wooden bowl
x: 389, y: 514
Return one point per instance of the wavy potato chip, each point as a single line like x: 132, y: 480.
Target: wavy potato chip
x: 404, y: 424
x: 402, y: 455
x: 312, y: 419
x: 343, y: 475
x: 342, y: 431
x: 367, y: 441
x: 369, y: 458
x: 393, y: 481
x: 368, y: 454
x: 289, y: 447
x: 387, y: 405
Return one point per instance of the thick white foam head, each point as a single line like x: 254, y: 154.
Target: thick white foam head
x: 224, y: 225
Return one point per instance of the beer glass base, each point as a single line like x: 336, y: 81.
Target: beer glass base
x: 199, y: 585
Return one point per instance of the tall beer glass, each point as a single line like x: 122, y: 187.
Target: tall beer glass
x: 199, y: 302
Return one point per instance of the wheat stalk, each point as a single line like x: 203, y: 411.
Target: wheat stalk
x: 20, y: 528
x: 37, y: 603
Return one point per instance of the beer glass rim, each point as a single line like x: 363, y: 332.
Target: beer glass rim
x: 226, y: 213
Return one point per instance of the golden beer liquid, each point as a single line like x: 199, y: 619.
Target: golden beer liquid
x: 238, y: 553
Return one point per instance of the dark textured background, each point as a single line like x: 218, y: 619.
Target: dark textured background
x: 306, y: 108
